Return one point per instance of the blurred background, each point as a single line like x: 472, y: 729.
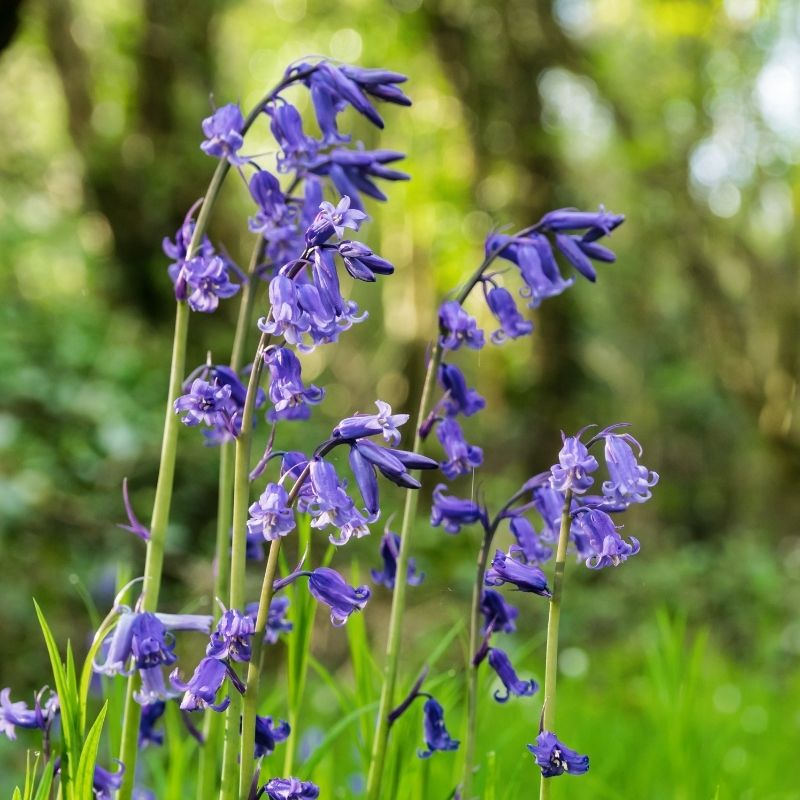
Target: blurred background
x: 683, y: 115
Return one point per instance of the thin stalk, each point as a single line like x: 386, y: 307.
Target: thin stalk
x: 551, y: 657
x: 380, y: 742
x: 241, y: 502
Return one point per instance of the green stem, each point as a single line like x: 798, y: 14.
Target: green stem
x: 551, y: 657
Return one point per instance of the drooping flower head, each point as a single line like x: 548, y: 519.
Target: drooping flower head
x: 232, y: 638
x: 606, y: 548
x: 461, y: 456
x: 201, y: 690
x: 268, y: 734
x: 333, y: 220
x: 501, y: 664
x: 205, y: 404
x: 574, y: 468
x: 452, y: 512
x: 17, y: 714
x: 363, y: 425
x: 512, y: 323
x: 630, y: 481
x: 459, y: 398
x: 151, y: 645
x: 330, y: 505
x: 290, y: 397
x: 223, y: 131
x: 329, y: 587
x: 270, y: 515
x: 498, y: 615
x: 276, y: 618
x: 434, y: 731
x: 528, y: 540
x: 151, y: 713
x: 390, y: 550
x: 457, y: 327
x: 203, y: 282
x: 289, y: 789
x: 555, y: 758
x: 526, y: 577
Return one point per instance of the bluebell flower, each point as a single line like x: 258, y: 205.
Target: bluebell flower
x: 286, y: 317
x: 202, y: 282
x: 528, y: 541
x: 459, y: 398
x: 452, y: 512
x: 380, y: 83
x: 574, y: 468
x: 462, y: 457
x: 596, y: 223
x: 555, y: 758
x: 390, y: 550
x: 152, y: 688
x: 223, y: 131
x: 549, y: 502
x: 526, y: 577
x: 572, y: 249
x: 329, y: 587
x: 361, y: 425
x: 105, y: 784
x: 270, y: 515
x: 512, y: 323
x: 289, y: 789
x: 150, y: 644
x: 501, y: 664
x: 205, y: 404
x: 151, y: 713
x: 18, y: 715
x: 292, y: 465
x: 607, y: 547
x: 498, y: 615
x: 297, y: 149
x: 366, y: 480
x: 434, y: 731
x: 290, y: 397
x: 268, y: 734
x: 178, y: 249
x: 232, y: 638
x: 276, y: 618
x: 630, y: 481
x: 201, y: 690
x: 361, y: 263
x: 394, y: 464
x: 229, y: 423
x: 332, y: 505
x: 333, y: 220
x: 457, y: 327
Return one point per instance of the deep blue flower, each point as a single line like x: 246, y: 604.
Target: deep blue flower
x: 361, y: 425
x: 223, y: 131
x: 366, y: 480
x: 276, y: 618
x: 178, y: 249
x: 459, y: 399
x: 151, y: 645
x: 555, y: 758
x: 270, y: 515
x: 433, y: 729
x: 526, y: 577
x: 380, y: 83
x: 331, y: 505
x: 549, y: 502
x: 498, y: 615
x: 462, y: 457
x: 297, y: 149
x: 571, y: 248
x: 501, y: 664
x: 151, y: 713
x: 289, y: 789
x: 202, y: 282
x: 333, y: 220
x: 630, y: 481
x: 268, y: 734
x: 229, y: 423
x: 152, y: 688
x: 453, y: 512
x: 329, y: 587
x: 105, y: 783
x: 361, y: 263
x: 595, y: 223
x: 574, y: 467
x: 390, y: 550
x: 394, y: 464
x: 201, y: 690
x: 205, y: 404
x: 18, y: 715
x: 457, y: 327
x: 607, y: 547
x: 286, y: 317
x: 232, y: 638
x: 512, y: 323
x: 528, y: 541
x: 290, y: 397
x: 292, y: 465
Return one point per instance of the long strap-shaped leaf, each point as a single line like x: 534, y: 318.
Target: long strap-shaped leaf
x: 84, y: 775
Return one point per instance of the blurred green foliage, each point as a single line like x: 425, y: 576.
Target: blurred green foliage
x: 682, y: 114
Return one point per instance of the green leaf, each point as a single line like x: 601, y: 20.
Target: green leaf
x: 17, y: 794
x: 43, y: 790
x: 87, y: 670
x: 84, y: 775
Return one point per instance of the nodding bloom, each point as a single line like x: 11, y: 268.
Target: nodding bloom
x: 457, y: 327
x: 277, y: 220
x: 526, y: 577
x: 333, y: 220
x: 292, y: 465
x: 575, y: 464
x: 512, y: 323
x: 105, y: 783
x: 607, y: 547
x: 453, y: 512
x: 390, y: 549
x: 289, y: 789
x: 152, y: 688
x: 501, y: 664
x: 151, y: 645
x: 268, y: 734
x: 362, y: 425
x: 595, y: 223
x: 178, y: 250
x: 630, y: 482
x: 329, y: 587
x: 232, y: 638
x: 286, y: 125
x: 462, y: 457
x: 205, y: 404
x: 549, y: 502
x: 151, y: 713
x: 201, y: 690
x: 498, y: 615
x: 555, y: 758
x: 331, y: 505
x: 434, y: 732
x: 18, y: 715
x: 229, y: 423
x: 223, y: 131
x: 459, y: 399
x: 290, y: 397
x: 270, y: 515
x: 528, y: 541
x: 286, y: 317
x: 276, y: 618
x: 361, y: 263
x: 202, y: 282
